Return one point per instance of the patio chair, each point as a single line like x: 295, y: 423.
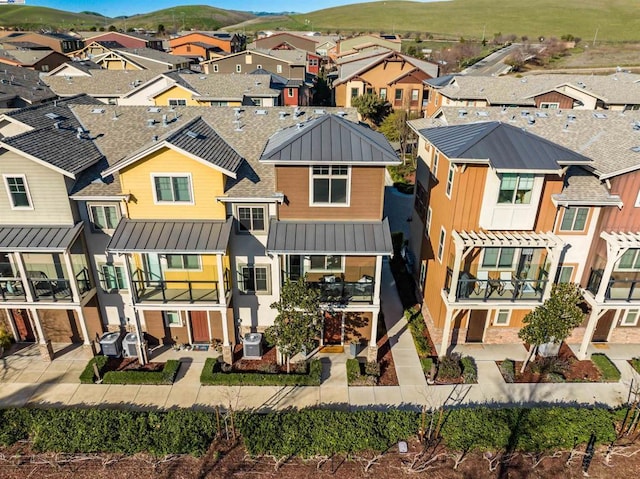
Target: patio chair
x: 482, y: 282
x: 363, y: 285
x: 506, y: 281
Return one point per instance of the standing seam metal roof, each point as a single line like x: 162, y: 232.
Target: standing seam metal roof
x: 38, y: 238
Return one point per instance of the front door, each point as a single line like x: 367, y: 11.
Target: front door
x: 332, y: 332
x: 199, y: 326
x: 601, y: 333
x: 23, y: 325
x: 477, y: 322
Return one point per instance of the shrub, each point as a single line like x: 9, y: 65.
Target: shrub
x: 508, y: 370
x: 550, y: 365
x: 353, y: 370
x: 418, y: 327
x: 166, y: 376
x: 212, y: 374
x: 88, y: 376
x: 449, y: 367
x: 635, y: 363
x: 556, y: 378
x: 427, y: 365
x: 372, y: 368
x: 469, y: 370
x: 609, y: 371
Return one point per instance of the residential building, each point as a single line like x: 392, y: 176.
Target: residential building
x: 125, y: 40
x: 20, y: 87
x: 141, y: 59
x: 356, y: 43
x: 58, y: 42
x: 227, y: 42
x: 247, y: 61
x: 39, y: 59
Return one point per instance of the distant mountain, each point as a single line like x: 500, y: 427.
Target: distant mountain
x: 272, y: 14
x: 36, y: 18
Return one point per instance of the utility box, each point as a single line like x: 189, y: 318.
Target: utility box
x: 252, y: 346
x: 130, y: 345
x: 111, y: 344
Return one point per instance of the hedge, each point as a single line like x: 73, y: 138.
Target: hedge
x: 608, y: 370
x: 166, y: 376
x: 353, y: 370
x: 635, y: 364
x: 212, y: 375
x: 88, y: 376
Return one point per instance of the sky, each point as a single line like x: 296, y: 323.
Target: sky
x: 116, y: 8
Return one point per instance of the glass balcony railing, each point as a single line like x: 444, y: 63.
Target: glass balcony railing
x: 333, y: 289
x: 619, y: 288
x: 505, y: 287
x: 12, y: 289
x: 181, y: 290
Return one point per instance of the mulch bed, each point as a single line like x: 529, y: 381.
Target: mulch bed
x: 268, y: 360
x: 131, y: 364
x: 578, y: 371
x: 388, y: 376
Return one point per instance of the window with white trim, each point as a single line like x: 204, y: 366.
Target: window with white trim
x: 398, y: 94
x: 216, y: 68
x: 238, y: 68
x: 172, y: 188
x: 172, y: 318
x: 637, y: 203
x: 449, y: 187
x: 436, y: 160
x: 443, y: 235
x: 113, y: 278
x: 290, y: 92
x: 18, y: 191
x: 515, y: 188
x: 502, y: 317
x: 630, y: 260
x: 498, y: 257
x: 325, y: 263
x: 355, y: 92
x: 565, y: 273
x: 574, y: 219
x: 420, y: 203
x: 254, y: 279
x: 415, y: 95
x: 278, y: 68
x: 104, y: 217
x: 183, y: 262
x: 427, y: 230
x: 630, y: 317
x: 177, y: 102
x: 383, y: 94
x: 251, y: 218
x: 330, y: 185
x: 550, y: 105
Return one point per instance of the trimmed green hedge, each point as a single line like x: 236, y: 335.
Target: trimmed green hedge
x: 88, y: 376
x: 353, y: 370
x: 212, y: 375
x: 417, y: 326
x: 166, y: 376
x: 609, y: 370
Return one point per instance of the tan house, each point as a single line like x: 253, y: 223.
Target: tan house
x: 353, y: 44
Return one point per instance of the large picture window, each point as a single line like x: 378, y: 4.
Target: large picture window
x: 183, y: 261
x: 173, y: 188
x: 330, y: 185
x: 498, y: 257
x: 325, y: 263
x: 515, y: 188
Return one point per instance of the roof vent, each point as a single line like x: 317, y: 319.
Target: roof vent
x: 165, y: 122
x: 482, y: 113
x: 319, y: 111
x: 636, y: 125
x: 261, y: 112
x: 524, y: 113
x: 297, y: 112
x: 299, y: 126
x: 192, y: 134
x: 97, y: 110
x: 542, y: 114
x: 56, y: 125
x: 203, y: 77
x: 237, y: 110
x: 150, y: 122
x: 571, y: 117
x: 462, y: 113
x: 52, y: 116
x: 341, y: 113
x: 238, y: 126
x: 635, y: 149
x: 282, y: 115
x: 154, y: 109
x: 600, y: 116
x: 531, y: 120
x: 155, y: 137
x: 582, y: 85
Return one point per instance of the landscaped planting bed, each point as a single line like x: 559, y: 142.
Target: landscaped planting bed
x: 130, y: 371
x: 306, y: 373
x: 635, y: 364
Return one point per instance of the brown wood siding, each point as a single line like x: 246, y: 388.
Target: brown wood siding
x: 199, y: 326
x: 366, y: 196
x: 215, y: 319
x: 158, y: 333
x: 565, y: 102
x: 357, y: 325
x: 60, y: 325
x: 231, y: 324
x: 546, y: 216
x: 93, y: 318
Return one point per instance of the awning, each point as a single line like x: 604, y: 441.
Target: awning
x: 180, y: 237
x: 32, y: 239
x: 345, y: 238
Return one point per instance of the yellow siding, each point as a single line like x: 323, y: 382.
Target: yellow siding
x: 207, y: 272
x: 175, y: 93
x: 207, y: 184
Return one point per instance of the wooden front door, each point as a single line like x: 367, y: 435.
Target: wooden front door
x: 477, y: 322
x: 601, y: 333
x: 200, y: 326
x: 23, y: 325
x: 332, y: 333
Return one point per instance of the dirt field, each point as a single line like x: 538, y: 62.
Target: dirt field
x: 602, y: 56
x: 223, y: 461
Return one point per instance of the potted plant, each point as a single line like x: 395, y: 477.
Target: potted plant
x: 354, y: 346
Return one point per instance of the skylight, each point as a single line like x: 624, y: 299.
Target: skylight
x: 192, y: 134
x: 97, y: 111
x: 52, y: 116
x: 600, y: 116
x: 154, y: 109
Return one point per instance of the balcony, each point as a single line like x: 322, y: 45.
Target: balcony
x: 618, y: 288
x: 12, y: 289
x: 182, y: 290
x: 43, y: 286
x: 333, y: 289
x: 503, y: 286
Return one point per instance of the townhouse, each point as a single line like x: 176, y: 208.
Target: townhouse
x: 363, y: 42
x: 21, y: 87
x: 509, y: 201
x: 226, y: 42
x: 124, y: 40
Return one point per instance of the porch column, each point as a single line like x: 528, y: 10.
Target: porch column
x: 132, y: 286
x: 455, y: 273
x: 614, y: 253
x: 372, y: 350
x: 12, y: 325
x: 594, y: 317
x: 446, y: 332
x: 227, y: 347
x: 188, y: 321
x: 140, y: 344
x: 26, y: 284
x: 83, y: 326
x: 46, y: 350
x: 75, y: 292
x: 553, y: 269
x: 377, y: 281
x: 222, y: 295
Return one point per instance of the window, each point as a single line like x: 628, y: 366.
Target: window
x: 18, y: 192
x: 398, y: 94
x: 515, y: 188
x: 630, y: 317
x: 254, y: 279
x: 183, y: 261
x: 44, y: 68
x: 502, y: 317
x: 436, y: 159
x: 383, y: 94
x: 177, y: 102
x: 172, y: 318
x: 420, y: 204
x: 498, y: 257
x: 248, y: 59
x: 251, y: 218
x: 172, y: 189
x: 215, y: 68
x: 630, y: 260
x: 565, y: 273
x: 290, y: 92
x: 113, y: 278
x: 188, y: 48
x: 415, y: 95
x: 574, y: 219
x: 238, y: 68
x: 354, y: 92
x: 325, y: 263
x: 104, y: 217
x: 443, y: 235
x: 449, y: 181
x: 637, y: 203
x: 550, y: 105
x: 427, y: 230
x: 278, y: 68
x: 330, y: 185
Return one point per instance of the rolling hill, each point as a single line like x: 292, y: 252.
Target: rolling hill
x: 35, y: 18
x: 200, y: 17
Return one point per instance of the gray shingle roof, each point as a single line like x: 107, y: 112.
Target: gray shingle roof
x: 23, y: 83
x: 37, y: 238
x: 101, y: 82
x: 58, y: 111
x: 140, y: 54
x: 329, y: 139
x: 583, y: 187
x: 348, y: 70
x: 506, y: 147
x: 231, y: 86
x: 353, y: 238
x: 204, y: 237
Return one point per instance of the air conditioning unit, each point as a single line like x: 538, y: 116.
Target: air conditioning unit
x: 252, y: 346
x: 111, y: 344
x: 129, y: 345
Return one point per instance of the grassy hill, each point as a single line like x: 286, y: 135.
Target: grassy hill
x: 32, y: 18
x: 615, y: 20
x: 200, y: 17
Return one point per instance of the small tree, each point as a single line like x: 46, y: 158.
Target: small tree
x: 371, y: 107
x: 395, y: 128
x: 5, y: 340
x: 297, y: 324
x: 553, y: 320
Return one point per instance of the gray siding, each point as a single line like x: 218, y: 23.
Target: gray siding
x: 50, y: 201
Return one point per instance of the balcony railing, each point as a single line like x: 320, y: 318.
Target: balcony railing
x: 339, y: 291
x: 507, y: 288
x: 43, y: 287
x: 618, y: 289
x: 12, y: 289
x: 182, y: 290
